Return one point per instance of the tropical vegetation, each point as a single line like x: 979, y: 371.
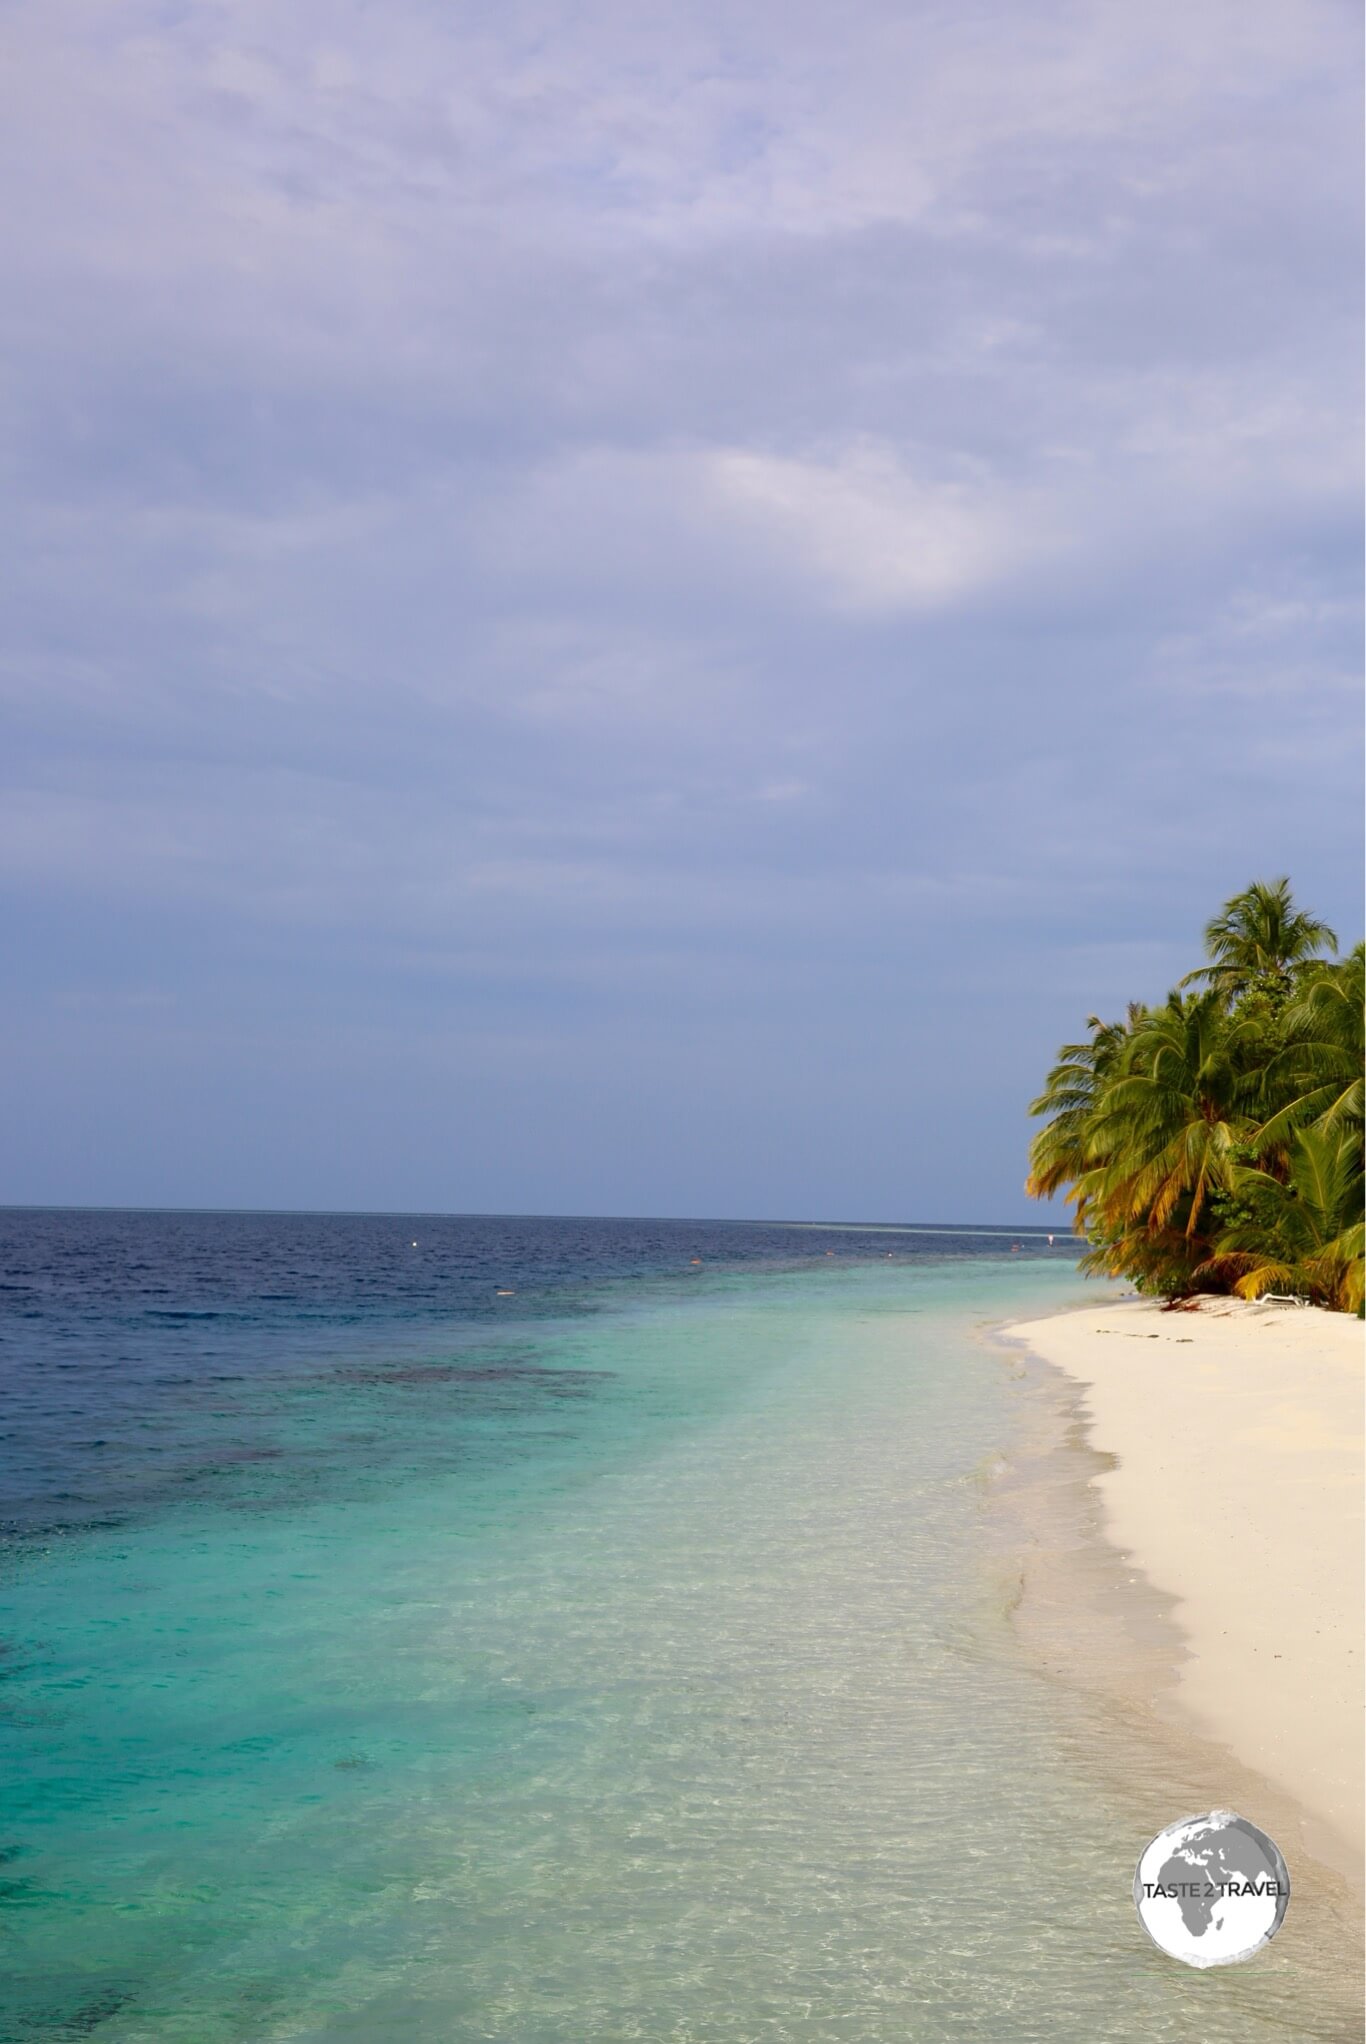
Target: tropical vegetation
x: 1213, y: 1142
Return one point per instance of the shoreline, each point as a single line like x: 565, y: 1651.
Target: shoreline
x: 1225, y: 1481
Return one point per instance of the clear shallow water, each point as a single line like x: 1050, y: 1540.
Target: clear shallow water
x: 623, y: 1658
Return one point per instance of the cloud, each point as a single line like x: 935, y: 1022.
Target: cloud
x: 568, y: 497
x: 877, y: 535
x: 857, y: 528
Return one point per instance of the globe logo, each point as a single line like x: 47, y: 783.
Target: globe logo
x: 1211, y: 1890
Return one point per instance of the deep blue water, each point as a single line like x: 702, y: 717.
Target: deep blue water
x: 149, y: 1357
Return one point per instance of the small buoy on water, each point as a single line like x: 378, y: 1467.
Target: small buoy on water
x: 694, y: 1259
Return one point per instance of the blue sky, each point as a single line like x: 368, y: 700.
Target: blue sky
x: 639, y: 610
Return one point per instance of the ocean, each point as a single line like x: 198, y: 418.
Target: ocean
x: 429, y: 1628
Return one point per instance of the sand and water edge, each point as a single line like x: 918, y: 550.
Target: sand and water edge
x: 1177, y: 1520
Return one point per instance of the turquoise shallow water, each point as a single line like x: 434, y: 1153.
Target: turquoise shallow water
x: 671, y: 1696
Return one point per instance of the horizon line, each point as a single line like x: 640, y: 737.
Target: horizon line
x: 478, y: 1214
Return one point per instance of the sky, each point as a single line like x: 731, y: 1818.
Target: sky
x: 639, y: 609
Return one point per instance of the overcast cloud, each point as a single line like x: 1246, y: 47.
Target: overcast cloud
x: 620, y: 609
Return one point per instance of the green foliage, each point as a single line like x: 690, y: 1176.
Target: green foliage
x: 1303, y: 1234
x: 1214, y: 1143
x: 1256, y: 941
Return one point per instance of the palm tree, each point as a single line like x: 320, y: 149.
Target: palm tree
x: 1306, y: 1235
x: 1172, y: 1118
x: 1063, y: 1151
x: 1316, y: 1076
x: 1257, y: 940
x: 1216, y: 1141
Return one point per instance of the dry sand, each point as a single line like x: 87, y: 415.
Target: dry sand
x: 1237, y: 1433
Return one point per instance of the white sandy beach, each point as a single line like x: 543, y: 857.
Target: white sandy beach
x: 1238, y: 1488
